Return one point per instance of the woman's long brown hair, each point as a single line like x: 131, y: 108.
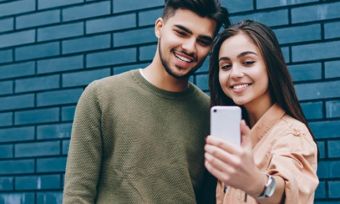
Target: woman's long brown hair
x: 281, y: 87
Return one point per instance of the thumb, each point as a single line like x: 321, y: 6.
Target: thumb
x: 245, y: 135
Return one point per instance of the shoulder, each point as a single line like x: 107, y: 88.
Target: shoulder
x: 295, y: 134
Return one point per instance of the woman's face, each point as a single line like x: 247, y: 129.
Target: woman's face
x: 242, y: 72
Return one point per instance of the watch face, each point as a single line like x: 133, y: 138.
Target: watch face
x: 270, y: 188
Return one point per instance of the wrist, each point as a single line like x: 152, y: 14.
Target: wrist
x: 256, y: 189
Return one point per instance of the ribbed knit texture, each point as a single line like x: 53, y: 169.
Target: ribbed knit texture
x: 134, y: 143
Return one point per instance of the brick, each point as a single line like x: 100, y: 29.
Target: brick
x: 17, y: 167
x: 6, y: 87
x: 56, y: 131
x: 61, y: 31
x: 66, y: 144
x: 6, y: 56
x: 147, y: 52
x: 44, y: 164
x: 334, y: 167
x: 332, y: 69
x: 235, y: 6
x: 128, y: 5
x: 145, y: 35
x: 58, y: 97
x: 16, y: 102
x: 334, y: 149
x: 332, y: 30
x: 37, y: 116
x: 17, y: 134
x: 321, y: 149
x: 84, y: 77
x: 332, y: 109
x: 301, y: 33
x: 315, y: 12
x: 35, y: 84
x: 270, y: 18
x: 49, y: 197
x: 334, y: 189
x: 260, y: 4
x: 285, y: 52
x: 67, y: 113
x: 37, y: 149
x: 38, y: 19
x: 323, y: 170
x: 149, y: 17
x: 60, y: 64
x: 37, y: 51
x: 5, y: 119
x: 304, y: 72
x: 16, y: 7
x: 113, y: 57
x: 121, y: 69
x: 17, y: 38
x: 316, y: 51
x: 6, y: 151
x: 321, y: 190
x: 43, y: 4
x: 312, y: 110
x: 111, y: 23
x: 87, y: 11
x: 204, y: 68
x: 318, y: 90
x: 202, y: 81
x: 86, y: 44
x: 37, y: 182
x: 325, y: 129
x: 6, y: 183
x: 6, y: 24
x: 17, y: 70
x: 13, y: 197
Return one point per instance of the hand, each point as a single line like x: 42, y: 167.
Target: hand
x: 235, y: 165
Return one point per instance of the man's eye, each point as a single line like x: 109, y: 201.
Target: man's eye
x: 204, y: 42
x: 180, y: 33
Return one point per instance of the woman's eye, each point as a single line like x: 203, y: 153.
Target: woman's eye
x: 249, y: 62
x: 225, y: 67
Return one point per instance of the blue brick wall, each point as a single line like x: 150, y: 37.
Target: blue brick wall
x: 50, y: 50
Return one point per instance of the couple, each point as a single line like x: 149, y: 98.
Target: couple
x: 140, y: 137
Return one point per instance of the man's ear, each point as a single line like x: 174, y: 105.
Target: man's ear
x: 158, y: 27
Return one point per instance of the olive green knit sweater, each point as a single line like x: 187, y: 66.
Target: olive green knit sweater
x: 134, y: 143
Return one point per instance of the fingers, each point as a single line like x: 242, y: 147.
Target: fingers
x: 214, y: 141
x: 220, y: 155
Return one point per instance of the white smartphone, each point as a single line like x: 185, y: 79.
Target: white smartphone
x: 225, y: 123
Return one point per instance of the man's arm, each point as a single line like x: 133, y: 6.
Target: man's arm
x: 85, y: 151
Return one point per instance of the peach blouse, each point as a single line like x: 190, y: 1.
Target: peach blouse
x: 282, y: 146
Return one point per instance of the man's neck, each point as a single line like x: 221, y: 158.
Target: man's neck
x: 161, y: 79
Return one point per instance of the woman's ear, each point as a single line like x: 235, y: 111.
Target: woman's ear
x: 158, y: 27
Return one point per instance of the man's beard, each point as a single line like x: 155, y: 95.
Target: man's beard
x: 168, y: 69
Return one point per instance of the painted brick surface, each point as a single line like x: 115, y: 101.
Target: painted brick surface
x: 51, y: 49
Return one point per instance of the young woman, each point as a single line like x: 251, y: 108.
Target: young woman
x: 277, y: 159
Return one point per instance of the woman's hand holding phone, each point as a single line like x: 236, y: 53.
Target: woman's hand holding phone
x: 234, y: 165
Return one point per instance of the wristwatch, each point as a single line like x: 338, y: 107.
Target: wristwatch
x: 269, y: 188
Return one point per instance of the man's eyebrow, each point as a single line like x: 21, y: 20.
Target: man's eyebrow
x: 205, y: 37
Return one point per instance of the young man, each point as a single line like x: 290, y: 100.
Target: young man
x: 138, y: 137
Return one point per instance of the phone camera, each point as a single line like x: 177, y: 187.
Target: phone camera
x: 215, y: 110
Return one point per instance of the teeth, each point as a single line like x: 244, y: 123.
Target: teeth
x: 240, y: 86
x: 183, y: 58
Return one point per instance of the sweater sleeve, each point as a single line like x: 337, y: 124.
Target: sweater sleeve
x: 85, y: 150
x: 295, y: 160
